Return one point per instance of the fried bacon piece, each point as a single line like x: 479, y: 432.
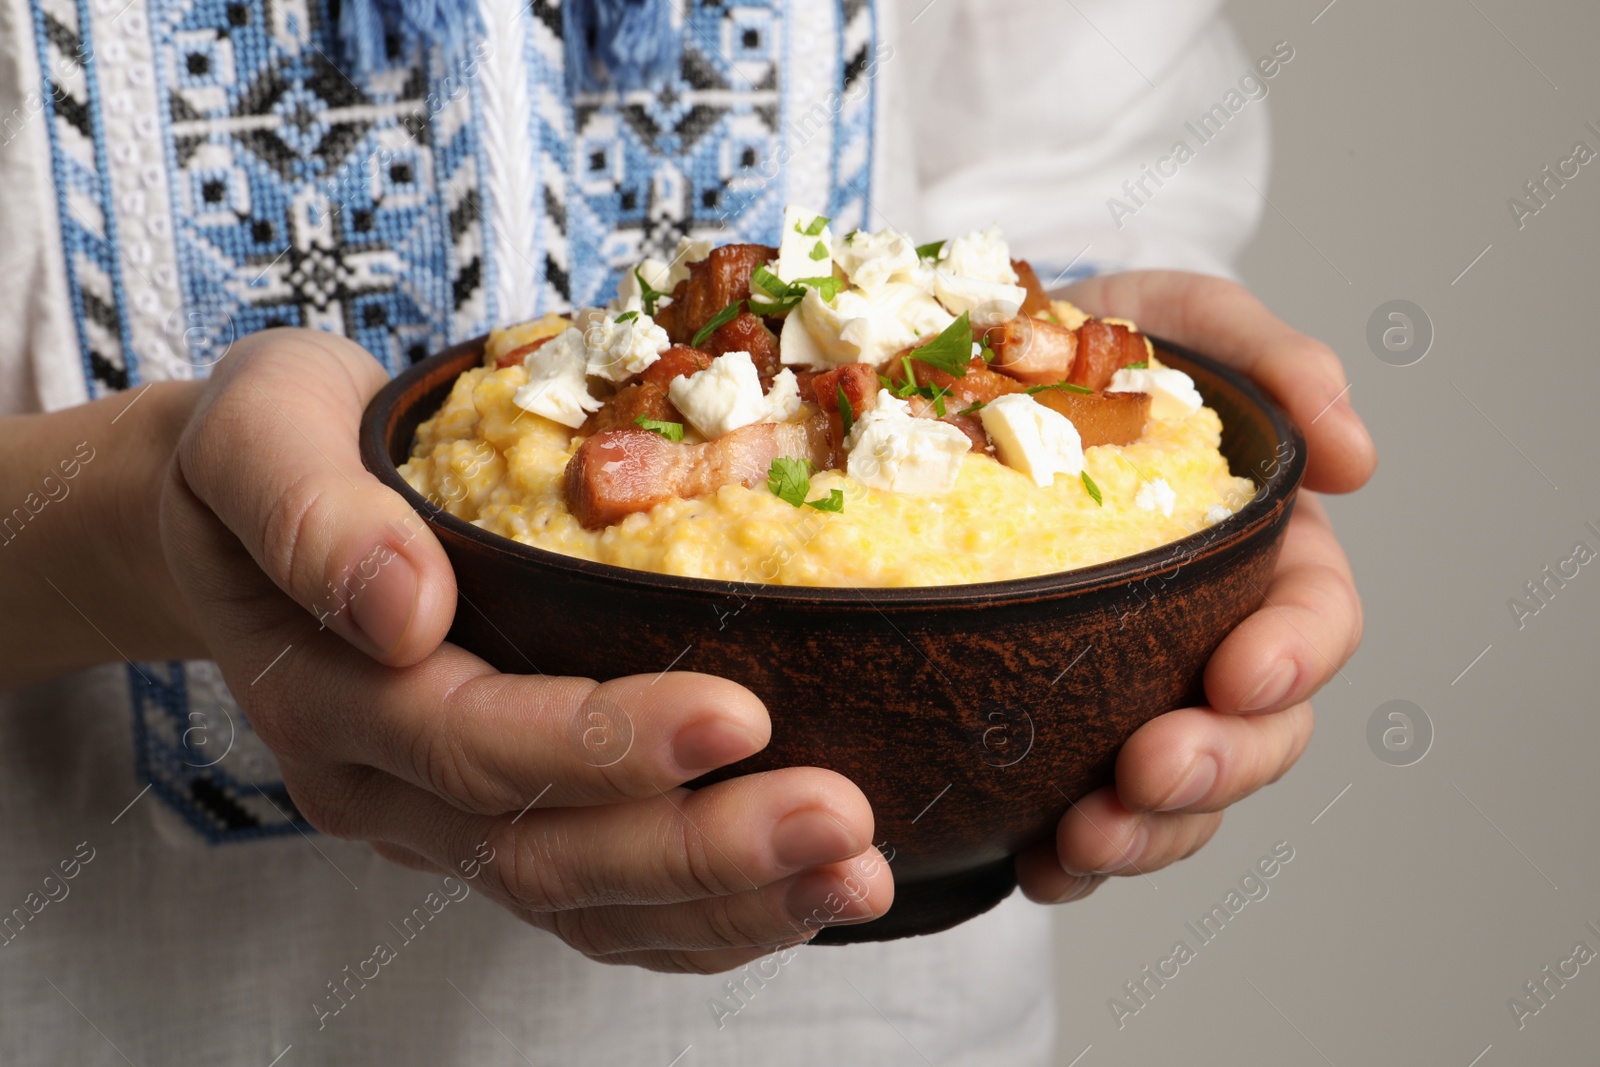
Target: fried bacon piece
x: 517, y: 355
x: 676, y: 362
x: 631, y: 402
x: 747, y: 333
x: 971, y: 425
x: 722, y: 278
x: 1103, y: 349
x: 615, y: 474
x: 1034, y: 351
x: 859, y: 384
x: 1038, y: 302
x: 980, y: 383
x: 1103, y: 418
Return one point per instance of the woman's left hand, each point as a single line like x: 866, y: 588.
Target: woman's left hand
x: 1179, y: 771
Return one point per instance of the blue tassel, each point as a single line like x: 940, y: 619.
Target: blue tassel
x: 620, y: 44
x: 365, y: 27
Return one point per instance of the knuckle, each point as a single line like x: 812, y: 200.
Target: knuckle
x: 534, y: 874
x: 695, y: 873
x: 288, y: 531
x: 330, y: 803
x: 586, y: 930
x: 442, y: 759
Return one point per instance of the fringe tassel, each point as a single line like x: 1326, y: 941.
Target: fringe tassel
x: 366, y: 28
x: 621, y: 44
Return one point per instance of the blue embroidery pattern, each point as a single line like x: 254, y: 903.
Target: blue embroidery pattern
x: 305, y: 194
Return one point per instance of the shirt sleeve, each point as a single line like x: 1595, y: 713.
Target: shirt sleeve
x: 1100, y: 135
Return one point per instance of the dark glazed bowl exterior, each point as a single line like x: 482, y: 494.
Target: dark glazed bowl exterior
x: 971, y: 716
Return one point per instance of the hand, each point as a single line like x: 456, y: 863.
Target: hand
x: 385, y: 733
x: 1179, y: 771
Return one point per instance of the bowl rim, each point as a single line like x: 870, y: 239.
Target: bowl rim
x: 1274, y: 495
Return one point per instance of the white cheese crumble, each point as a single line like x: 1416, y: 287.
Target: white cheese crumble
x: 1156, y: 495
x: 863, y: 328
x: 1216, y: 513
x: 618, y: 350
x: 891, y: 450
x: 727, y: 395
x: 1172, y: 392
x: 557, y: 385
x: 874, y: 260
x: 1031, y: 438
x: 802, y: 255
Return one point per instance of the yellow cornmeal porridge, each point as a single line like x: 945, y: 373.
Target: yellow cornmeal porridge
x: 500, y: 467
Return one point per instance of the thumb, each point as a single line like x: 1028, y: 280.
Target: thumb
x: 272, y: 452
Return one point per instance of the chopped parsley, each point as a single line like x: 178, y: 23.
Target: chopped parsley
x: 974, y: 408
x: 818, y: 224
x: 846, y: 412
x: 909, y: 388
x: 850, y: 238
x: 779, y: 296
x: 1143, y: 364
x: 717, y: 322
x: 820, y: 252
x: 1065, y: 387
x: 647, y: 296
x: 627, y: 316
x: 834, y: 501
x: 930, y: 250
x: 672, y: 431
x: 951, y: 351
x: 1094, y: 490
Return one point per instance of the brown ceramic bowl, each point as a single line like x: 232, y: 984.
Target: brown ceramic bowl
x: 971, y: 716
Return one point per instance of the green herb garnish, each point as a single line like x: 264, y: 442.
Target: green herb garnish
x: 672, y: 431
x: 769, y: 283
x: 1094, y: 490
x: 930, y: 250
x: 951, y: 351
x: 834, y: 501
x: 790, y: 479
x: 850, y: 238
x: 627, y: 316
x: 1143, y: 364
x: 780, y: 296
x: 718, y: 321
x: 846, y: 412
x: 818, y: 224
x: 820, y: 252
x: 973, y: 409
x: 647, y: 296
x: 1065, y: 387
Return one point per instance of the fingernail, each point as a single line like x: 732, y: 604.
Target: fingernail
x: 1273, y: 688
x: 807, y: 838
x: 711, y: 743
x: 819, y: 899
x: 1131, y: 854
x: 382, y: 606
x: 1202, y: 776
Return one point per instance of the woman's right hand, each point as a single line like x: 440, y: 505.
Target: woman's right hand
x: 326, y: 600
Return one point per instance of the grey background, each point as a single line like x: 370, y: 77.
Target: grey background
x: 1427, y: 895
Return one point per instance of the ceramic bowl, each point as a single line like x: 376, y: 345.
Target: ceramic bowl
x: 971, y: 716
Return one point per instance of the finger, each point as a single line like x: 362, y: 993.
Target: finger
x: 273, y: 452
x: 1223, y: 320
x: 404, y: 857
x: 670, y: 962
x: 1198, y: 760
x: 1043, y: 880
x: 737, y: 835
x: 1308, y: 626
x: 492, y: 743
x: 1100, y: 836
x: 838, y: 894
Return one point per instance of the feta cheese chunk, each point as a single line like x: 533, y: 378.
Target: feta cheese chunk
x: 860, y: 328
x: 891, y: 450
x: 1031, y: 438
x: 982, y: 255
x: 1216, y: 513
x: 558, y: 385
x: 727, y: 395
x: 802, y: 254
x: 1156, y: 495
x: 874, y: 260
x: 959, y: 293
x: 1172, y: 392
x: 618, y: 350
x: 630, y: 296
